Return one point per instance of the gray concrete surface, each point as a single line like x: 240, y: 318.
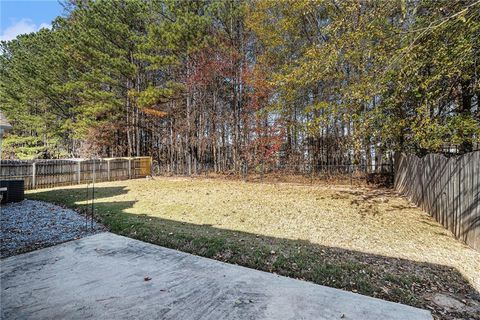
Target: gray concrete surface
x: 104, y: 277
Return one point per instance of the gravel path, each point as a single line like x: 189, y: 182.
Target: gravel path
x: 30, y: 225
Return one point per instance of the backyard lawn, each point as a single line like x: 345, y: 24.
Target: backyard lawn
x: 369, y: 241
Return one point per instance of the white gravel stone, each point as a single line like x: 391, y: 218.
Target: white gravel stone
x: 30, y: 225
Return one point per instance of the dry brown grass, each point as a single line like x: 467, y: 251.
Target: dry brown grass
x: 381, y: 243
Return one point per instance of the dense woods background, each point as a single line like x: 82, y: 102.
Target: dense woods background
x: 220, y: 84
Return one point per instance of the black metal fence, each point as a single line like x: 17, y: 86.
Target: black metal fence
x: 379, y: 174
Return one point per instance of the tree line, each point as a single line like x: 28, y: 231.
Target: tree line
x: 219, y: 84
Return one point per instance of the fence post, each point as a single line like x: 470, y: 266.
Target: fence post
x: 261, y: 173
x: 150, y: 163
x: 108, y: 169
x: 34, y: 174
x: 129, y: 168
x: 78, y: 171
x: 350, y: 168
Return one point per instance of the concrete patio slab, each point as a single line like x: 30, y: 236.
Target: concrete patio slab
x: 106, y: 276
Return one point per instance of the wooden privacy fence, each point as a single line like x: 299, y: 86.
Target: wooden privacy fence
x: 51, y: 173
x: 447, y: 188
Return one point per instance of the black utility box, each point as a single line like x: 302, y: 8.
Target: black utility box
x: 15, y: 190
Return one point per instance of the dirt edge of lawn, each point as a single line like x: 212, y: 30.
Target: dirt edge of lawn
x: 434, y: 287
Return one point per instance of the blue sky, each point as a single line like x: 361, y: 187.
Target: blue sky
x: 25, y: 16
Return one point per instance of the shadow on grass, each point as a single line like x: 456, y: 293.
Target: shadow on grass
x: 399, y: 280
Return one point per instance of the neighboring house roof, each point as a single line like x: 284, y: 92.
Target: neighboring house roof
x: 4, y: 124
